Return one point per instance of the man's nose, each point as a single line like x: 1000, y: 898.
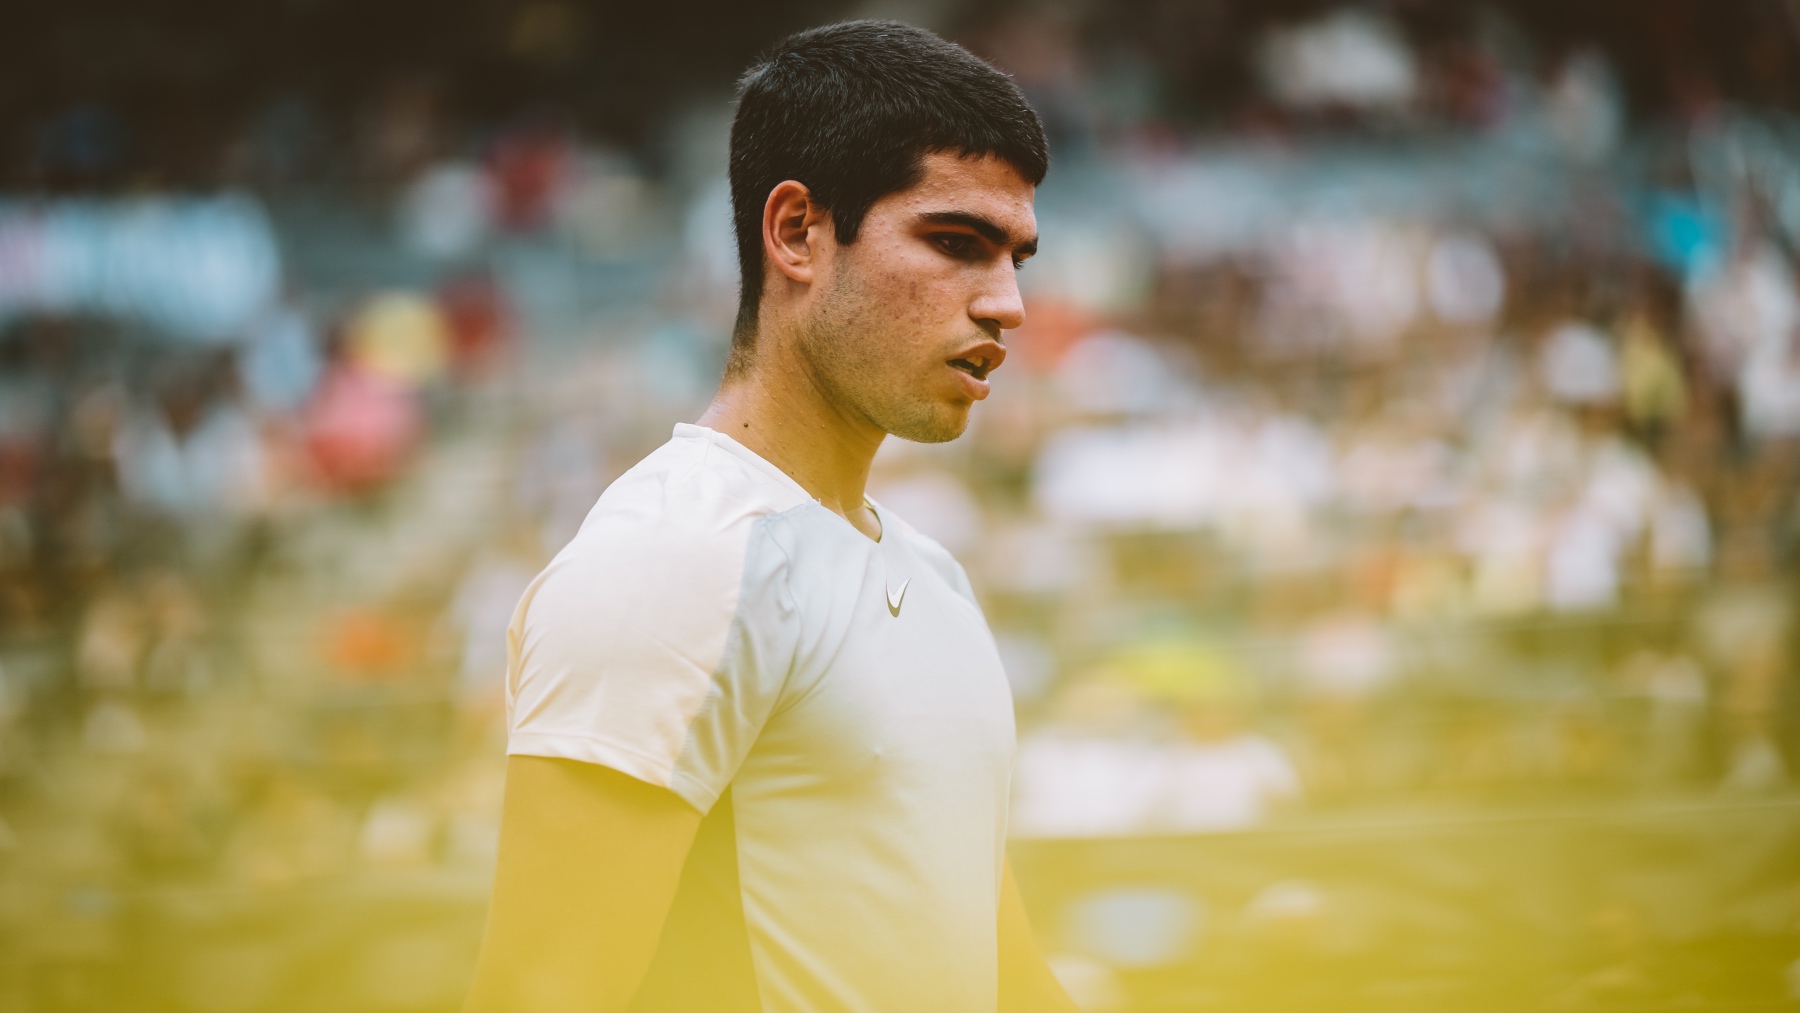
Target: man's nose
x: 999, y: 304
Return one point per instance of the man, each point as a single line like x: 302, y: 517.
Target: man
x: 760, y: 737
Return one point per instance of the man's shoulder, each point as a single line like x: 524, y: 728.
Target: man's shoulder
x: 693, y: 488
x: 685, y: 518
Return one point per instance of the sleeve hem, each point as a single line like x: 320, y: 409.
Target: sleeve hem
x: 614, y: 756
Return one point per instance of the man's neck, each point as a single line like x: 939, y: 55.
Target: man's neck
x: 778, y: 410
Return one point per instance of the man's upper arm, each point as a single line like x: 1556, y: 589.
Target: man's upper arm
x: 657, y: 649
x: 589, y: 863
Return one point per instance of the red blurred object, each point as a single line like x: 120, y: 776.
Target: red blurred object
x: 361, y: 429
x: 1051, y: 326
x: 530, y: 167
x: 481, y: 323
x: 18, y: 471
x: 368, y: 645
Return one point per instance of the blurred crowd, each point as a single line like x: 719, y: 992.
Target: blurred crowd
x: 1426, y: 436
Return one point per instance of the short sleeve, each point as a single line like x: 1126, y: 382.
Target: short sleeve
x: 654, y: 645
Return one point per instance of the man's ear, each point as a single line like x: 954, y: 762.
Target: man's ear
x: 792, y: 224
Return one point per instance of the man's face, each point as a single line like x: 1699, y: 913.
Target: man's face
x: 905, y: 323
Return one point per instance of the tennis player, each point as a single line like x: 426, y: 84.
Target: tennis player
x: 760, y: 739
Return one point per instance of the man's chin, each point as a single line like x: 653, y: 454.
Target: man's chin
x: 940, y: 425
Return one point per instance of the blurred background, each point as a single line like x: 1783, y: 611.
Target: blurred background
x: 1388, y: 516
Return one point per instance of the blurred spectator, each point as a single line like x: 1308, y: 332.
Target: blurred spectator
x: 1349, y: 57
x: 1653, y: 387
x: 192, y: 455
x: 532, y: 167
x: 360, y: 429
x: 400, y: 337
x: 1584, y: 106
x: 1223, y: 776
x: 447, y: 211
x: 280, y: 364
x: 1087, y: 771
x: 479, y: 322
x: 1105, y: 765
x: 1580, y: 366
x: 1464, y: 279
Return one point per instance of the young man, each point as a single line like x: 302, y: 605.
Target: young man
x: 760, y: 738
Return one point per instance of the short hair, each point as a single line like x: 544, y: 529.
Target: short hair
x: 850, y: 110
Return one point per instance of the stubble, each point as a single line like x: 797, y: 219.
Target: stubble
x: 863, y: 361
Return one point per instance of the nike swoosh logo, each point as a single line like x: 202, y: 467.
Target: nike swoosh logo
x: 894, y: 600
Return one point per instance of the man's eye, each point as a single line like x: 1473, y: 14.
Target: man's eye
x: 957, y: 245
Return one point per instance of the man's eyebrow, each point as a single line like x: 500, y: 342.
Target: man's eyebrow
x: 987, y: 228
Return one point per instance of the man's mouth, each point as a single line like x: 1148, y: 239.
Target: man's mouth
x: 978, y: 369
x: 981, y: 360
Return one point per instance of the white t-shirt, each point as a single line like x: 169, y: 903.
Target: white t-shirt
x: 833, y: 705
